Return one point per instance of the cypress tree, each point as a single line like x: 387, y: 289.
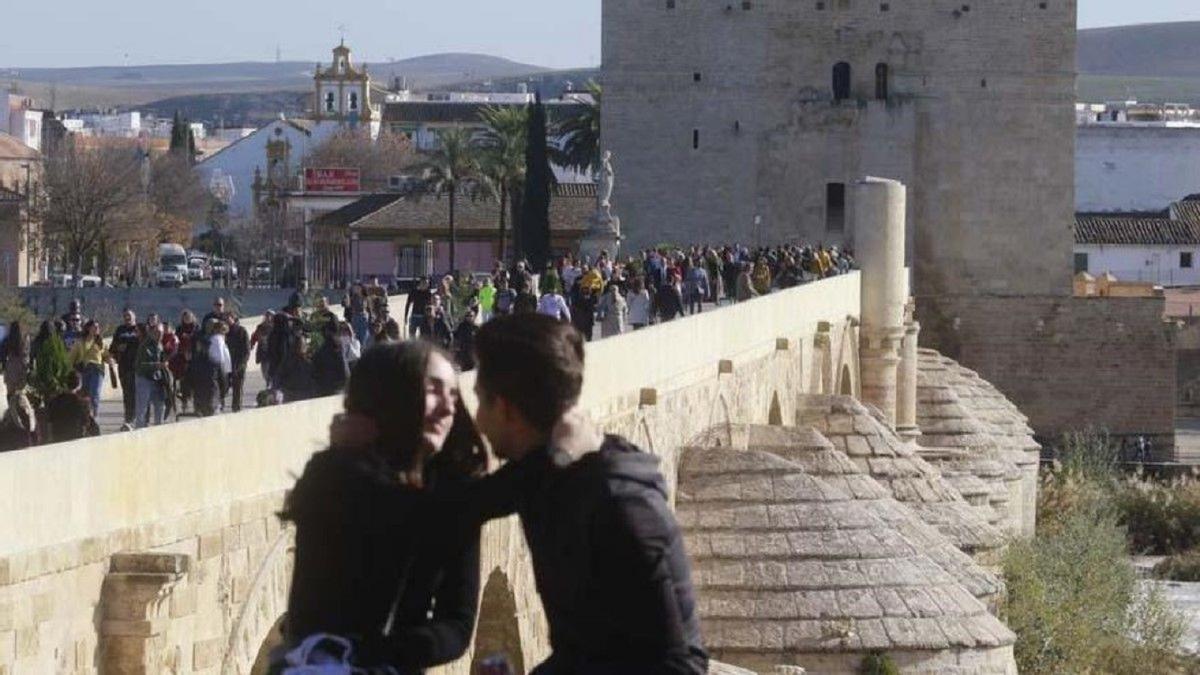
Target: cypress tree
x: 535, y: 207
x: 178, y: 139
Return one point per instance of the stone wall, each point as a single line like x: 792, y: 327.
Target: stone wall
x: 106, y: 304
x: 158, y: 550
x: 1067, y: 362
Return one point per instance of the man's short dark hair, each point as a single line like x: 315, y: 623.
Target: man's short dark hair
x: 533, y: 361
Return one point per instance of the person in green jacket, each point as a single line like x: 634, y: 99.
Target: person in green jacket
x: 487, y: 300
x: 150, y: 383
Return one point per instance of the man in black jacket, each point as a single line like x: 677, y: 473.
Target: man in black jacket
x: 238, y: 341
x: 608, y: 555
x: 125, y: 341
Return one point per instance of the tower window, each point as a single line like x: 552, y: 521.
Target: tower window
x: 696, y: 77
x: 1081, y: 262
x: 330, y: 101
x: 354, y: 100
x: 835, y: 207
x: 670, y: 4
x: 881, y: 81
x: 1185, y: 260
x: 695, y: 139
x: 841, y: 81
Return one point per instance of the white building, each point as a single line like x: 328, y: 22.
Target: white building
x: 115, y: 125
x: 1135, y: 157
x: 1160, y: 249
x: 275, y: 149
x: 21, y: 120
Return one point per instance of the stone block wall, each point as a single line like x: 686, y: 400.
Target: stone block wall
x: 1068, y: 363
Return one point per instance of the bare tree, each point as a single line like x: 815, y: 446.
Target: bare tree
x: 89, y: 190
x: 378, y: 160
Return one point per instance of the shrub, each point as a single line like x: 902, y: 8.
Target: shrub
x: 1180, y: 567
x: 1163, y: 518
x: 1074, y: 600
x: 878, y: 663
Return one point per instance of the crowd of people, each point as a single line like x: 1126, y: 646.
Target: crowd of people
x: 614, y: 296
x: 197, y: 367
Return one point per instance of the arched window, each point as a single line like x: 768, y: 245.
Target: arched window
x: 354, y: 100
x: 841, y: 81
x: 330, y: 101
x: 881, y: 81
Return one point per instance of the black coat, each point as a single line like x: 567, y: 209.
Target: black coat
x: 238, y: 341
x: 608, y: 558
x: 369, y: 549
x: 329, y: 369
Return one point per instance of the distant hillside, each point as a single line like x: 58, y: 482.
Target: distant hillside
x: 1147, y: 50
x: 232, y: 110
x: 109, y: 86
x: 551, y: 83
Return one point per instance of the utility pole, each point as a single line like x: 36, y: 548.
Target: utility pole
x: 28, y: 224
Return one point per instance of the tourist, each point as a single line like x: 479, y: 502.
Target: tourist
x: 180, y: 363
x: 614, y: 312
x: 14, y: 359
x: 329, y: 364
x: 414, y: 307
x: 351, y: 347
x: 260, y: 341
x: 745, y: 284
x: 464, y: 341
x: 123, y: 347
x: 607, y: 554
x: 238, y: 341
x: 669, y: 299
x: 552, y: 303
x: 89, y: 357
x: 18, y: 428
x: 150, y: 368
x: 583, y: 313
x: 487, y: 300
x: 72, y: 331
x: 356, y: 311
x: 376, y: 569
x: 217, y: 313
x: 696, y: 288
x: 639, y: 304
x: 505, y: 298
x: 70, y: 414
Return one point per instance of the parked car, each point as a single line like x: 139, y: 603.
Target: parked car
x: 198, y: 269
x: 224, y: 268
x: 261, y: 271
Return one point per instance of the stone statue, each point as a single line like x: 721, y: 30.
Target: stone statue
x: 605, y: 189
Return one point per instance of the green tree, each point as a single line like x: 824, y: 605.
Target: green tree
x: 580, y: 134
x: 503, y: 160
x: 453, y: 168
x: 183, y: 141
x: 539, y: 179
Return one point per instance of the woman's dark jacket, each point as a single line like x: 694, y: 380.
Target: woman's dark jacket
x: 370, y: 550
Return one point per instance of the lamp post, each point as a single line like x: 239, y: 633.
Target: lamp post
x: 28, y: 225
x: 356, y: 255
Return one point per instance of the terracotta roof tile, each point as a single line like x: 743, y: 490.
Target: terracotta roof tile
x: 1138, y: 231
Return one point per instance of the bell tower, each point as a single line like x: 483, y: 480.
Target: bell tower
x: 342, y: 92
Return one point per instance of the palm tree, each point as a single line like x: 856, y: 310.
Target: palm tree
x: 452, y: 168
x: 580, y: 134
x: 503, y: 144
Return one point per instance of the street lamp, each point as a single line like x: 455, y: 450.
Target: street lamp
x: 356, y: 255
x: 28, y: 225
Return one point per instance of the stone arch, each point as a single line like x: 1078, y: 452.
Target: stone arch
x: 841, y: 81
x: 262, y: 660
x: 775, y: 415
x: 721, y: 416
x: 498, y: 632
x: 258, y: 620
x: 846, y: 384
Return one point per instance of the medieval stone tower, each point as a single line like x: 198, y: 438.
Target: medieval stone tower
x: 736, y: 120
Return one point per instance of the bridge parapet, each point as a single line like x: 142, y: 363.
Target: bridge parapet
x: 204, y: 493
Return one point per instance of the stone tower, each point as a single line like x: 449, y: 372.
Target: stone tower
x: 748, y: 121
x: 342, y: 91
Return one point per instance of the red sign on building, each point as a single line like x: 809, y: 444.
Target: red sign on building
x: 333, y: 180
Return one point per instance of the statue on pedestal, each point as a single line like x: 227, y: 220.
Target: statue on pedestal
x: 604, y: 229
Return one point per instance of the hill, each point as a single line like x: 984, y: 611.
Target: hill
x: 112, y: 86
x: 1170, y: 50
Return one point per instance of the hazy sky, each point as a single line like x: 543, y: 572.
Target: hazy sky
x: 554, y: 33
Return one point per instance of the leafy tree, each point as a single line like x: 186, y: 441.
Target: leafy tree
x: 580, y: 134
x: 451, y: 169
x: 503, y: 161
x: 539, y: 179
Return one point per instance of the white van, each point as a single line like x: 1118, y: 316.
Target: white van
x: 172, y: 266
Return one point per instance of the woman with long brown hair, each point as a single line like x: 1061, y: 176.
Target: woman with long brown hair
x: 379, y: 570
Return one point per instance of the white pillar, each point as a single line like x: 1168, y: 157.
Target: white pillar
x: 906, y: 383
x: 879, y: 219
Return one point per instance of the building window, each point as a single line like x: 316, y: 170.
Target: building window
x: 1081, y: 262
x: 695, y: 139
x: 835, y: 207
x: 881, y: 81
x: 1185, y: 260
x: 841, y: 81
x: 696, y: 77
x: 670, y: 4
x: 353, y: 100
x: 330, y: 101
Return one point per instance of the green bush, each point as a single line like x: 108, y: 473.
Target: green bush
x: 1180, y: 567
x: 1163, y: 518
x: 878, y: 663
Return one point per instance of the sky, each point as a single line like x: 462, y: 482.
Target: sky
x: 551, y: 33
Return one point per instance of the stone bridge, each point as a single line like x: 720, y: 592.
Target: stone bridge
x: 159, y: 551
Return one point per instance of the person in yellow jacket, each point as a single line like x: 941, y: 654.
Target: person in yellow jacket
x: 89, y: 356
x: 592, y: 280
